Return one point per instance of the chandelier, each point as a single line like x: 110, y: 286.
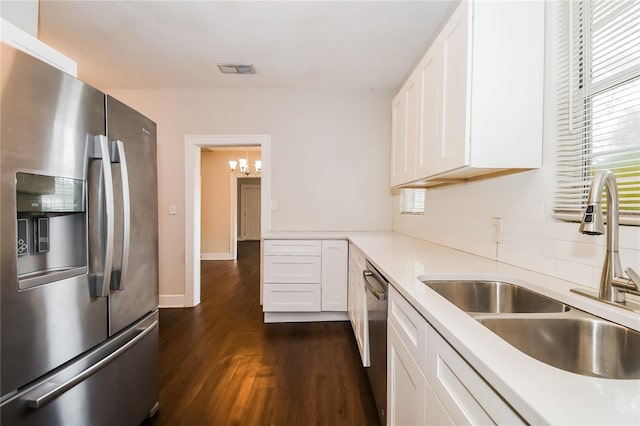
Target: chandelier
x: 244, y: 167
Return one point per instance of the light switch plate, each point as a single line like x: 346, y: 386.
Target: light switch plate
x: 173, y: 209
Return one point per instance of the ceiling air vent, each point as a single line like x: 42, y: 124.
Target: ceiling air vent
x: 237, y: 69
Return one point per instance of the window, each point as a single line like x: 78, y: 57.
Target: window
x: 412, y: 201
x: 598, y: 103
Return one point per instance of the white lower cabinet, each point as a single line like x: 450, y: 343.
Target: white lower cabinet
x: 335, y: 265
x: 291, y: 297
x: 406, y: 385
x: 465, y: 395
x: 356, y: 305
x: 305, y: 276
x: 435, y: 413
x: 429, y: 383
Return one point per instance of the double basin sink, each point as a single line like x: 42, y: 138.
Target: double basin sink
x: 546, y: 329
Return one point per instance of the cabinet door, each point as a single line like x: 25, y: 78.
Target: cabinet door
x: 430, y: 78
x: 362, y: 321
x: 465, y: 395
x: 398, y: 155
x: 405, y: 120
x: 435, y: 413
x: 357, y: 302
x: 412, y: 119
x: 453, y: 152
x: 334, y: 275
x: 406, y: 385
x: 350, y: 293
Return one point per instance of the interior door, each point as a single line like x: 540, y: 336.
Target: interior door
x: 250, y: 211
x: 135, y: 281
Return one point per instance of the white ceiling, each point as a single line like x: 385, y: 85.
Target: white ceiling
x: 361, y: 45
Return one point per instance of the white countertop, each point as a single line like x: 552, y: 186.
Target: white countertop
x: 539, y: 392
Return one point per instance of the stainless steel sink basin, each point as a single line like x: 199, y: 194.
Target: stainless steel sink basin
x: 494, y: 297
x: 578, y: 343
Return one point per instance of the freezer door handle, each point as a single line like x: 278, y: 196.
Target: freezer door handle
x: 54, y: 390
x: 119, y: 277
x: 101, y: 152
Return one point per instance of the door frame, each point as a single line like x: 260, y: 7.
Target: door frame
x: 242, y: 223
x: 192, y: 193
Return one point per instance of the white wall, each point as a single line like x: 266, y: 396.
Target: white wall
x: 459, y: 216
x: 21, y: 13
x: 329, y: 155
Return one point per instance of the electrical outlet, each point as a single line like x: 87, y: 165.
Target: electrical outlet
x: 496, y: 230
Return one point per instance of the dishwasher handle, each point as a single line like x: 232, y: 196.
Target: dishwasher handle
x: 380, y: 295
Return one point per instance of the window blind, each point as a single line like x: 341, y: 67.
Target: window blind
x: 412, y: 201
x: 598, y: 103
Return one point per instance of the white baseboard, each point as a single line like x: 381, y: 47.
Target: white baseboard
x: 271, y: 317
x: 216, y: 256
x: 171, y: 301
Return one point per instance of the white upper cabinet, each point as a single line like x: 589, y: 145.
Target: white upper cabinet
x: 473, y: 105
x: 406, y: 127
x: 24, y: 41
x: 398, y: 142
x: 430, y: 75
x: 452, y: 150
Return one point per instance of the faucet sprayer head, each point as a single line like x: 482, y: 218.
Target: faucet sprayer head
x: 592, y: 223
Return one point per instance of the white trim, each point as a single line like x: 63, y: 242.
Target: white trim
x: 171, y: 301
x: 272, y: 317
x: 233, y: 218
x: 217, y: 256
x: 193, y: 146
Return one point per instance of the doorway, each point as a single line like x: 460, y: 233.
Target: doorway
x: 193, y: 148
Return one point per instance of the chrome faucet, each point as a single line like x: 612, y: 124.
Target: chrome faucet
x: 613, y: 285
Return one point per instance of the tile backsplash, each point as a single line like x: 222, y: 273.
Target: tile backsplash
x: 459, y: 216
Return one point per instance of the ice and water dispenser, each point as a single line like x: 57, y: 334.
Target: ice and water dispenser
x: 52, y: 228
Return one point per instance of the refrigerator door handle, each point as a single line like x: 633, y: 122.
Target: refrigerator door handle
x: 119, y: 157
x: 101, y: 152
x: 55, y: 390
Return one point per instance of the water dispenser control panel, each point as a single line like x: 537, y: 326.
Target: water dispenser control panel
x: 51, y: 224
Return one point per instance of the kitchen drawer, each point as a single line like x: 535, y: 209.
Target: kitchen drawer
x: 291, y: 298
x: 292, y: 247
x: 410, y: 326
x: 467, y: 398
x: 292, y: 269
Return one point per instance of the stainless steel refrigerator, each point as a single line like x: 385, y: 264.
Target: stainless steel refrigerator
x: 79, y: 250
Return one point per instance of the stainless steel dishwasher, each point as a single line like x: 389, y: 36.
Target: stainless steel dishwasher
x: 377, y: 289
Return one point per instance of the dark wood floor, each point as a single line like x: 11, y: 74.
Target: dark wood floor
x: 220, y: 365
